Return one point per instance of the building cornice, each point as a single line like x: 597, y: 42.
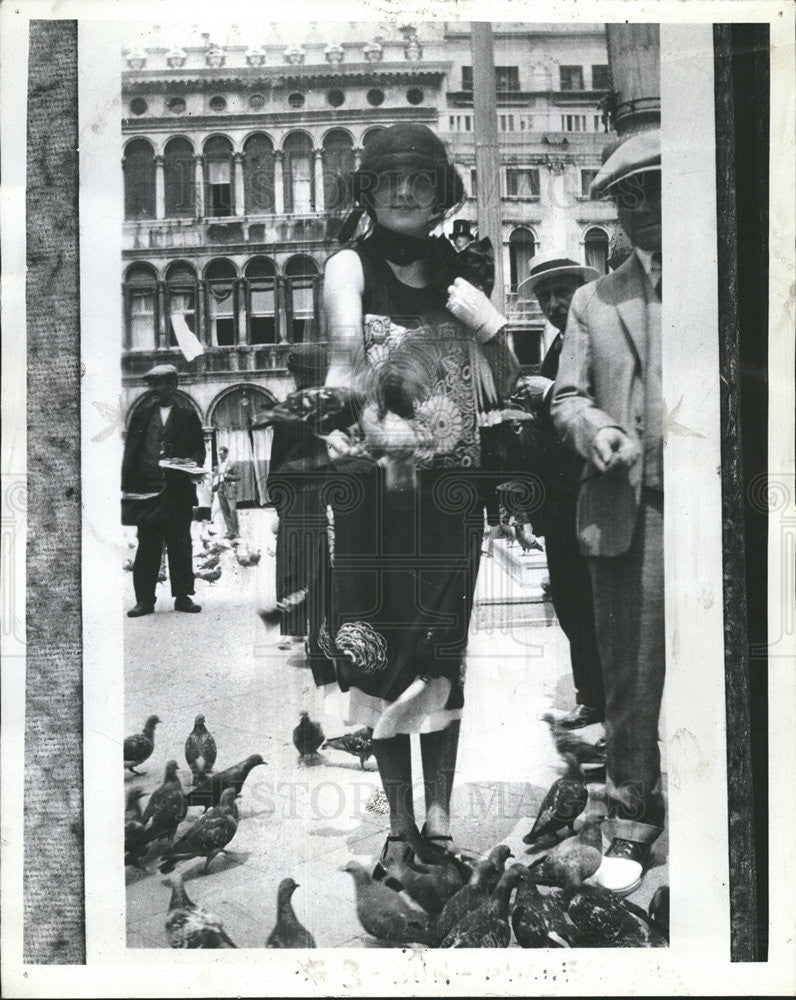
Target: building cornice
x: 271, y: 77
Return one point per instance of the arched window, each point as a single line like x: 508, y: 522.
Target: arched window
x: 522, y: 247
x: 178, y: 169
x: 139, y: 180
x: 221, y: 322
x: 338, y: 166
x: 298, y: 174
x: 371, y: 134
x: 261, y: 313
x: 233, y: 414
x: 180, y: 298
x: 218, y: 177
x: 258, y: 175
x: 141, y: 302
x: 301, y: 280
x: 596, y: 243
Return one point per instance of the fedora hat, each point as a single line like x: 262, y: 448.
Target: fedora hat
x: 555, y: 264
x: 638, y: 154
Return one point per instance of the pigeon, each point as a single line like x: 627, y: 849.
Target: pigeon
x: 288, y: 932
x: 485, y: 877
x: 209, y: 575
x: 528, y: 541
x: 208, y: 836
x: 189, y: 926
x: 487, y: 925
x: 431, y: 886
x: 564, y: 802
x: 166, y: 808
x: 209, y: 560
x: 209, y: 792
x: 127, y: 565
x: 358, y: 744
x: 571, y: 746
x: 572, y: 861
x: 605, y: 921
x: 200, y: 750
x: 247, y: 557
x: 139, y: 747
x: 134, y: 842
x: 385, y: 914
x: 307, y: 737
x: 658, y: 910
x: 540, y: 920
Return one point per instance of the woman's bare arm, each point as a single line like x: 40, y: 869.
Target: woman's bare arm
x: 343, y: 288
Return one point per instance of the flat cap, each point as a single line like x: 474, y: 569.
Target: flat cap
x: 162, y: 371
x: 637, y: 154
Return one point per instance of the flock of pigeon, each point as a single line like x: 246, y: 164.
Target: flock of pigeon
x: 430, y: 895
x: 207, y: 560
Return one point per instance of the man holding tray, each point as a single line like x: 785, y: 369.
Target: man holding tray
x: 164, y: 449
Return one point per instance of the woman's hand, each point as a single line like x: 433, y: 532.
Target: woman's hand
x: 338, y: 444
x: 472, y: 308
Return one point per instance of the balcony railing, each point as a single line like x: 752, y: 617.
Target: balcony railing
x: 169, y: 234
x: 242, y: 359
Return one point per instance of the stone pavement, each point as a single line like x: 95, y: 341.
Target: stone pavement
x: 306, y: 822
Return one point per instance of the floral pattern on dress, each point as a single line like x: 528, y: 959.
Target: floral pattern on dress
x: 445, y: 403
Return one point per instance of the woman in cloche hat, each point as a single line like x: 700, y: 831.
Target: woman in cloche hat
x: 426, y: 356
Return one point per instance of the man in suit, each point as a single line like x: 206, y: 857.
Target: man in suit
x: 554, y: 279
x: 163, y: 428
x: 225, y: 485
x: 607, y: 405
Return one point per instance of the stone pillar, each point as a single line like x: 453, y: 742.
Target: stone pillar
x: 281, y: 310
x: 279, y: 184
x: 237, y: 181
x: 319, y: 194
x: 160, y: 189
x: 199, y: 185
x: 357, y: 157
x: 162, y: 319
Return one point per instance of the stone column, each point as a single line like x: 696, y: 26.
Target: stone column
x: 279, y: 184
x: 199, y: 185
x: 237, y: 180
x: 160, y: 189
x: 319, y: 198
x: 357, y: 157
x: 162, y: 319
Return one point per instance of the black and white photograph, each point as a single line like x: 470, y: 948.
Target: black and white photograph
x: 368, y: 630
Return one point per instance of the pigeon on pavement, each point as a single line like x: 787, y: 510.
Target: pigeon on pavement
x: 385, y: 914
x: 208, y: 836
x: 190, y: 926
x: 539, y: 919
x: 288, y: 932
x: 570, y: 746
x: 564, y: 802
x: 431, y: 886
x: 569, y: 863
x: 209, y: 792
x: 134, y: 838
x: 209, y: 575
x: 487, y: 925
x: 307, y: 737
x: 358, y: 744
x: 605, y: 920
x: 200, y: 750
x: 166, y: 808
x: 139, y: 747
x: 485, y: 877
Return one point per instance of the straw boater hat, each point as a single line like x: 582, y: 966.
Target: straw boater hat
x: 640, y: 153
x: 554, y: 264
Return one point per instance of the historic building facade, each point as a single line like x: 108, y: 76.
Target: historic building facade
x: 236, y: 156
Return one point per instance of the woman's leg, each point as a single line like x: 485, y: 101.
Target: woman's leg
x: 438, y: 751
x: 395, y: 770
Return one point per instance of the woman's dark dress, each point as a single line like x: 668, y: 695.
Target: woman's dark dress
x: 405, y: 561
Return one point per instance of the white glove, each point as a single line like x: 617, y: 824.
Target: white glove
x: 469, y: 305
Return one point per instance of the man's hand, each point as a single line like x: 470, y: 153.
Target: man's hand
x: 472, y: 308
x: 613, y: 451
x: 338, y: 444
